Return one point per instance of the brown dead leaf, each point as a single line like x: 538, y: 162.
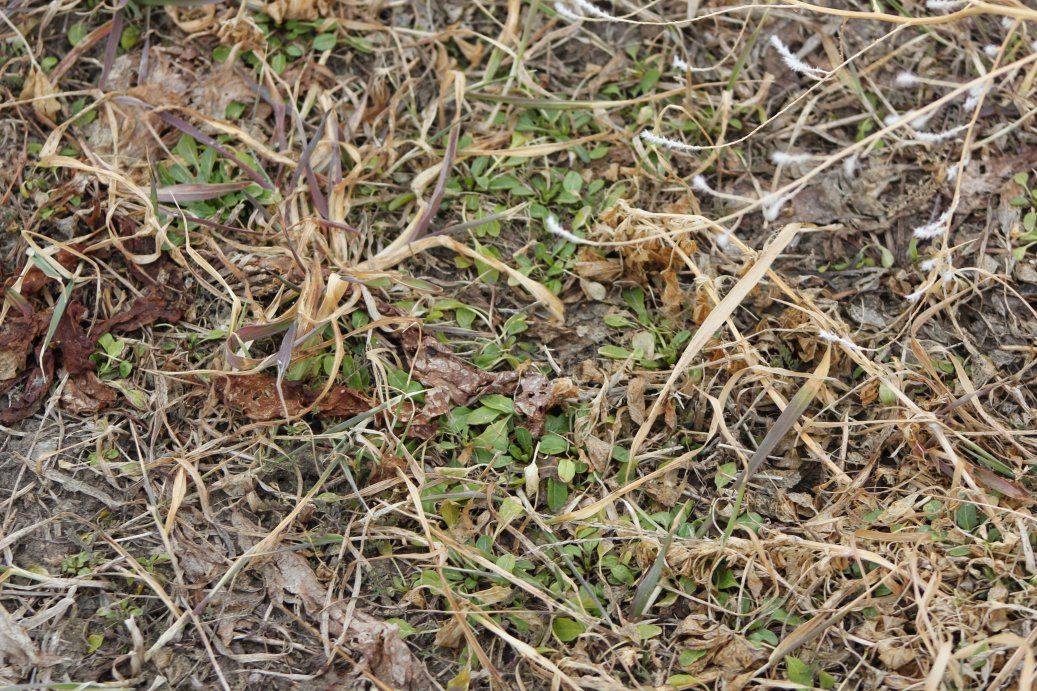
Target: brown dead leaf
x: 213, y: 94
x: 450, y: 634
x: 255, y: 396
x: 435, y: 365
x: 342, y: 401
x: 17, y: 651
x: 672, y: 296
x: 85, y: 393
x: 72, y: 342
x: 158, y: 305
x: 598, y: 453
x: 636, y: 399
x: 38, y: 87
x: 304, y: 10
x: 386, y: 468
x: 665, y: 489
x: 35, y: 390
x: 533, y: 396
x: 17, y: 334
x: 290, y: 580
x: 451, y: 380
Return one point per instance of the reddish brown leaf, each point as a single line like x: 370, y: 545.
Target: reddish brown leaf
x: 17, y: 334
x: 341, y: 401
x: 32, y: 397
x: 451, y: 380
x: 85, y: 393
x: 72, y: 342
x: 436, y: 366
x: 255, y: 397
x: 156, y: 306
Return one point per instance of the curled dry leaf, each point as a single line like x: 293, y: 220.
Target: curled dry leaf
x: 158, y: 305
x: 72, y: 342
x: 304, y: 10
x: 255, y: 397
x: 18, y: 654
x: 290, y: 580
x: 38, y: 87
x: 32, y: 397
x: 533, y: 396
x: 17, y: 334
x: 436, y: 366
x: 85, y: 393
x: 451, y: 380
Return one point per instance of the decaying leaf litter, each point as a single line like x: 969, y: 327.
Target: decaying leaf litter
x: 518, y: 345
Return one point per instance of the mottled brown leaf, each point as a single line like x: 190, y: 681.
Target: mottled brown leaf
x: 290, y: 581
x: 85, y: 393
x: 32, y: 397
x: 255, y: 397
x: 72, y: 342
x: 17, y: 335
x: 533, y: 396
x: 157, y: 305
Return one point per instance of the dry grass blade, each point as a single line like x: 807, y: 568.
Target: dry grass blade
x: 715, y: 321
x: 802, y: 248
x: 781, y: 427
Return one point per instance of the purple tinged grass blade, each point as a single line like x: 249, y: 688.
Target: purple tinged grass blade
x: 250, y: 333
x: 113, y: 43
x: 421, y: 227
x: 176, y: 121
x: 335, y: 175
x: 304, y: 160
x: 340, y: 226
x: 284, y: 359
x: 206, y: 222
x: 319, y: 201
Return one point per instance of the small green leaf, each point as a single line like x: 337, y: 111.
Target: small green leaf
x: 510, y: 509
x: 683, y: 681
x: 323, y: 42
x: 483, y: 415
x: 886, y: 395
x: 566, y: 470
x: 137, y: 398
x: 723, y: 578
x: 567, y: 630
x: 618, y: 321
x: 688, y: 657
x: 557, y: 494
x: 648, y: 631
x: 93, y: 642
x: 572, y: 183
x: 966, y: 517
x: 76, y: 33
x: 552, y: 445
x: 799, y: 672
x: 886, y: 257
x: 614, y: 352
x: 405, y: 629
x: 498, y: 402
x: 726, y: 474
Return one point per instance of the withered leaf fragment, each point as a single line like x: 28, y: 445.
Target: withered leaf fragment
x: 255, y: 397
